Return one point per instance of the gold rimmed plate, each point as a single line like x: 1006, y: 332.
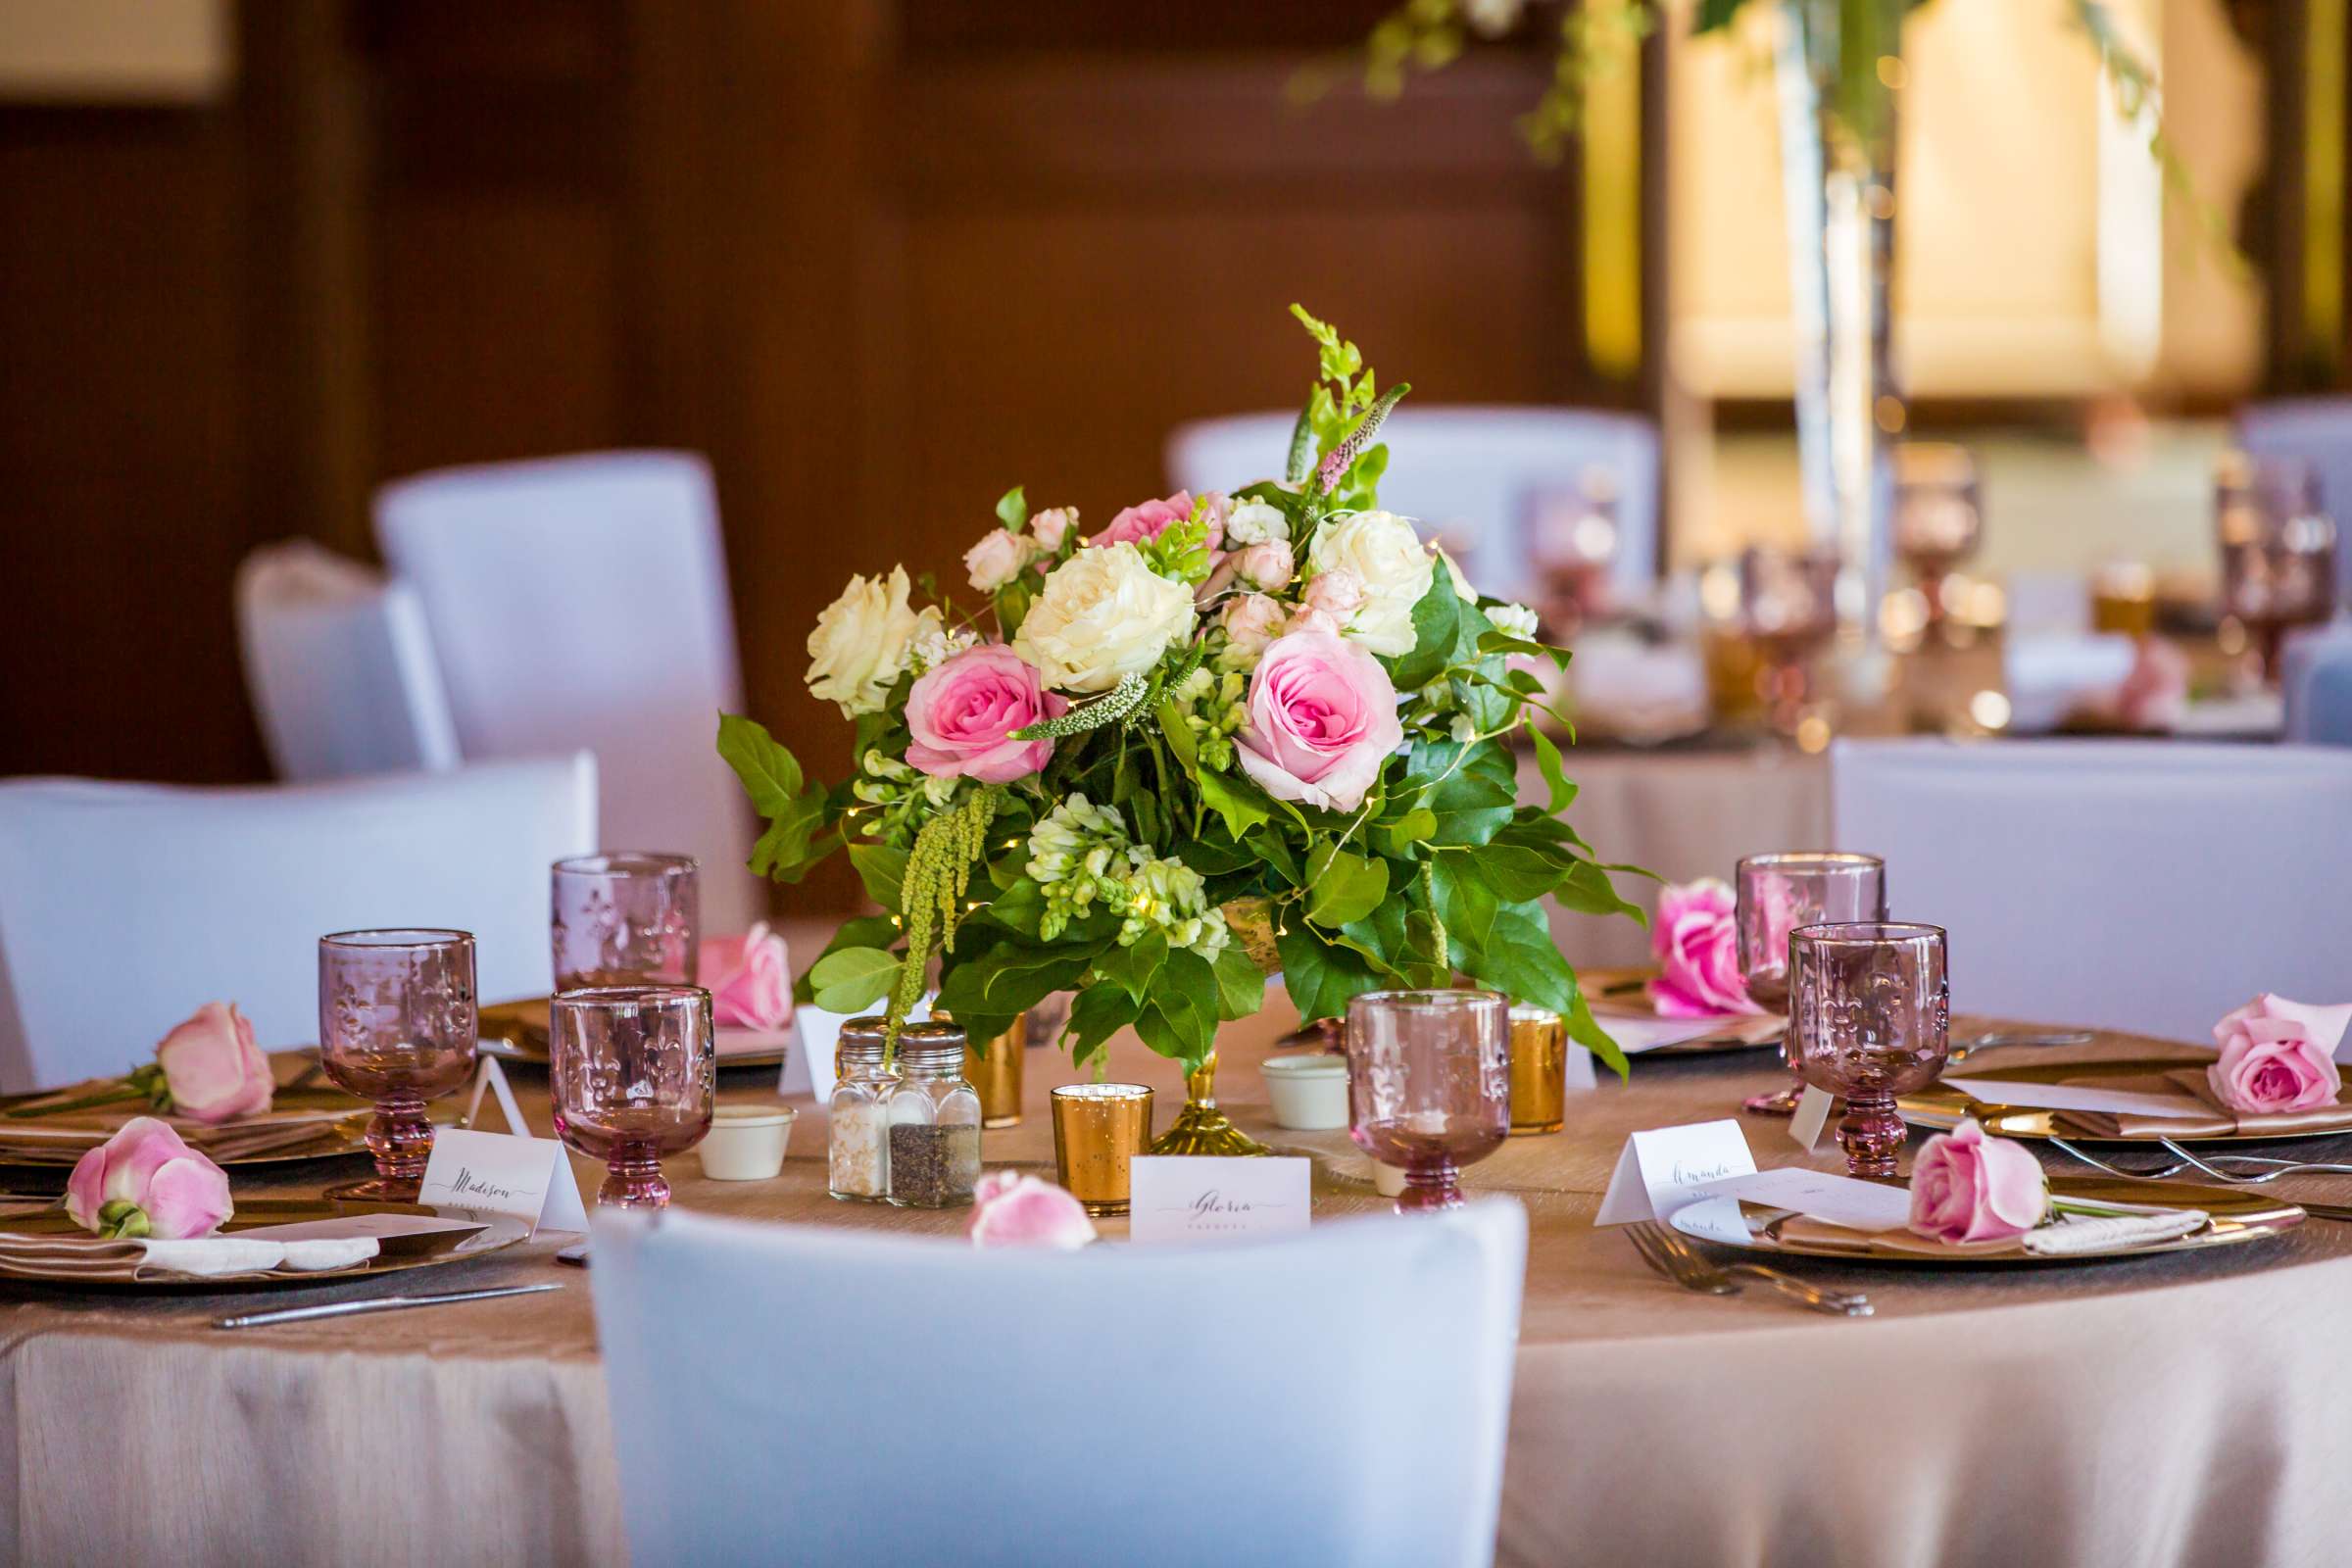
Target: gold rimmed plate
x: 517, y: 1032
x: 1941, y: 1107
x: 400, y: 1254
x: 345, y: 1134
x: 2236, y: 1217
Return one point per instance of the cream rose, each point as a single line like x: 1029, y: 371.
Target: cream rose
x: 1385, y: 556
x: 862, y: 641
x: 1256, y: 522
x: 1102, y: 616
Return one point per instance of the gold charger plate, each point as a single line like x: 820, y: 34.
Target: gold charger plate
x: 1941, y: 1108
x: 406, y: 1254
x: 517, y: 1032
x: 335, y: 1140
x: 2237, y: 1216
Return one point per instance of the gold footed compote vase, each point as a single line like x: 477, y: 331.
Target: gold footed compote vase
x: 1201, y: 1128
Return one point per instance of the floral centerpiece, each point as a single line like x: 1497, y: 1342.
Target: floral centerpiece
x: 1226, y: 736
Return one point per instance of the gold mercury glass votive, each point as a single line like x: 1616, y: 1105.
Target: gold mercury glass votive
x: 995, y: 1069
x: 1539, y: 1071
x: 1098, y: 1128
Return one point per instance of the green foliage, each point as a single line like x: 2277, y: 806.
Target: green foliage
x: 1012, y: 509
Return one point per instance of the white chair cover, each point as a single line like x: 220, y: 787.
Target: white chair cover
x: 1337, y: 1397
x: 2140, y: 885
x: 2318, y: 430
x: 582, y: 601
x: 126, y: 907
x: 1471, y: 472
x: 2316, y: 682
x: 340, y: 666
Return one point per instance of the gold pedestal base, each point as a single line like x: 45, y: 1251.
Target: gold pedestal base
x: 1201, y: 1128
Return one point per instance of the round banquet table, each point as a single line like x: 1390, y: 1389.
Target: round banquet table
x: 2192, y: 1409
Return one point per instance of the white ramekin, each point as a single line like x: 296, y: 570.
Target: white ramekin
x: 1308, y: 1091
x: 746, y: 1143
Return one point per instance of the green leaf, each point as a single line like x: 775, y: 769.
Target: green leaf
x: 1555, y: 776
x: 782, y: 850
x: 853, y: 979
x: 1413, y: 827
x: 1096, y: 1015
x: 1342, y: 887
x: 1241, y: 985
x: 1322, y: 975
x: 866, y: 931
x: 1134, y: 968
x: 1437, y: 629
x: 1587, y: 891
x: 1476, y: 799
x: 1243, y: 805
x: 1178, y: 1018
x: 1585, y: 1031
x: 771, y: 773
x: 1301, y: 459
x: 1001, y: 980
x: 1179, y: 736
x: 1502, y: 642
x: 1518, y: 873
x: 1012, y: 509
x: 1714, y: 15
x: 883, y: 870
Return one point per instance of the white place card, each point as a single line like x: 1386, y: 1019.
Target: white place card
x: 809, y: 1066
x: 1813, y: 1110
x: 2077, y: 1096
x: 529, y: 1179
x: 1662, y: 1171
x: 1193, y: 1197
x: 1839, y: 1199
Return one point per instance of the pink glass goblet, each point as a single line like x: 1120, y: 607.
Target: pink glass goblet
x: 1775, y: 895
x: 625, y: 920
x: 633, y: 1071
x: 1869, y: 1018
x: 397, y: 1025
x: 1429, y: 1085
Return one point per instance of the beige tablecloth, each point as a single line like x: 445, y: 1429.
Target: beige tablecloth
x: 2192, y: 1410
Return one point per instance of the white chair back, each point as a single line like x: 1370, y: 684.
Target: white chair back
x: 2142, y: 884
x: 582, y: 601
x: 340, y: 668
x: 2316, y: 683
x: 1123, y: 1409
x: 126, y: 907
x: 1470, y: 472
x: 2318, y: 430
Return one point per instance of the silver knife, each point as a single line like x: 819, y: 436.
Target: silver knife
x: 375, y: 1303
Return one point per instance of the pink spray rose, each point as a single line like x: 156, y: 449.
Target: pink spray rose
x: 2278, y: 1056
x: 1147, y: 521
x: 144, y: 1181
x: 962, y: 712
x: 1336, y: 593
x: 1051, y: 525
x: 213, y: 1068
x: 1322, y: 719
x: 749, y: 978
x: 1266, y: 567
x: 1011, y: 1209
x: 1966, y: 1186
x: 1253, y: 621
x: 1696, y: 943
x: 997, y: 558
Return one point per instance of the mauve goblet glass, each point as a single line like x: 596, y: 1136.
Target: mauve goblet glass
x: 625, y: 920
x: 1869, y: 1018
x: 397, y: 1025
x: 2277, y: 550
x: 1429, y: 1085
x: 1777, y: 893
x: 633, y: 1071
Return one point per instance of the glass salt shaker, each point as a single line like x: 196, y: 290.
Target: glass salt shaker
x: 933, y: 1114
x: 858, y: 1148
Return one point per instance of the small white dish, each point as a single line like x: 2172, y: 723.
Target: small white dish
x: 746, y: 1143
x: 1308, y: 1091
x: 1387, y: 1180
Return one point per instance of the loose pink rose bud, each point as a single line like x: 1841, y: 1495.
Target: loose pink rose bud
x: 213, y: 1068
x: 1053, y: 525
x: 1336, y: 593
x: 1011, y: 1209
x: 1696, y: 943
x: 2278, y: 1056
x: 1966, y: 1186
x: 749, y: 978
x: 997, y: 558
x: 145, y: 1181
x: 1266, y: 567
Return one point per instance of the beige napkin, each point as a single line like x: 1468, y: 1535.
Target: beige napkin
x: 63, y: 1139
x: 2201, y: 1115
x: 69, y: 1256
x: 2066, y: 1238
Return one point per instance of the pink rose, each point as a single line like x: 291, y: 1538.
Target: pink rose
x: 1011, y: 1209
x: 962, y: 712
x: 997, y: 558
x: 1147, y: 521
x: 1338, y: 593
x: 2278, y: 1056
x: 212, y: 1066
x: 1051, y: 525
x: 1251, y: 621
x: 1306, y: 617
x: 144, y: 1181
x: 1966, y: 1186
x: 1696, y: 943
x: 1266, y: 567
x: 2154, y: 693
x: 749, y: 978
x: 1322, y: 719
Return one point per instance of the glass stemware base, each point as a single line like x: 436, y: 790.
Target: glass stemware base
x: 1780, y: 1102
x: 401, y: 1138
x: 1870, y: 1132
x: 633, y: 1179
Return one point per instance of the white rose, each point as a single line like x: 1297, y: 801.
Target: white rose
x: 1053, y: 524
x: 1516, y: 620
x: 1256, y: 522
x: 1385, y: 556
x: 1102, y: 616
x: 862, y: 641
x: 997, y: 558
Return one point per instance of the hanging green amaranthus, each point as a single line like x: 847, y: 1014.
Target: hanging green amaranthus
x: 939, y: 874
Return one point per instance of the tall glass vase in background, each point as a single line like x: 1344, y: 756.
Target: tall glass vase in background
x: 1836, y: 68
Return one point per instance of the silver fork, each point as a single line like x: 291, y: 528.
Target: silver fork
x: 2209, y: 1166
x: 1672, y: 1256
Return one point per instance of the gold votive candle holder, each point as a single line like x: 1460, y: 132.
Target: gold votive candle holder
x: 1539, y: 1071
x: 994, y: 1067
x: 1098, y: 1128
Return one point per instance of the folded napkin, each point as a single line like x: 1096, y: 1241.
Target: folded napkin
x: 2068, y: 1237
x: 2200, y: 1114
x: 62, y: 1256
x: 2076, y: 1234
x: 63, y: 1139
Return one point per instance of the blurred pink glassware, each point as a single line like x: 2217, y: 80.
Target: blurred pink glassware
x: 1869, y: 1018
x: 398, y: 1025
x: 1429, y: 1085
x: 625, y: 919
x: 633, y: 1073
x: 1777, y: 893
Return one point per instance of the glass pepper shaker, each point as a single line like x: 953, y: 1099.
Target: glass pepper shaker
x: 933, y: 1114
x: 857, y: 1146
